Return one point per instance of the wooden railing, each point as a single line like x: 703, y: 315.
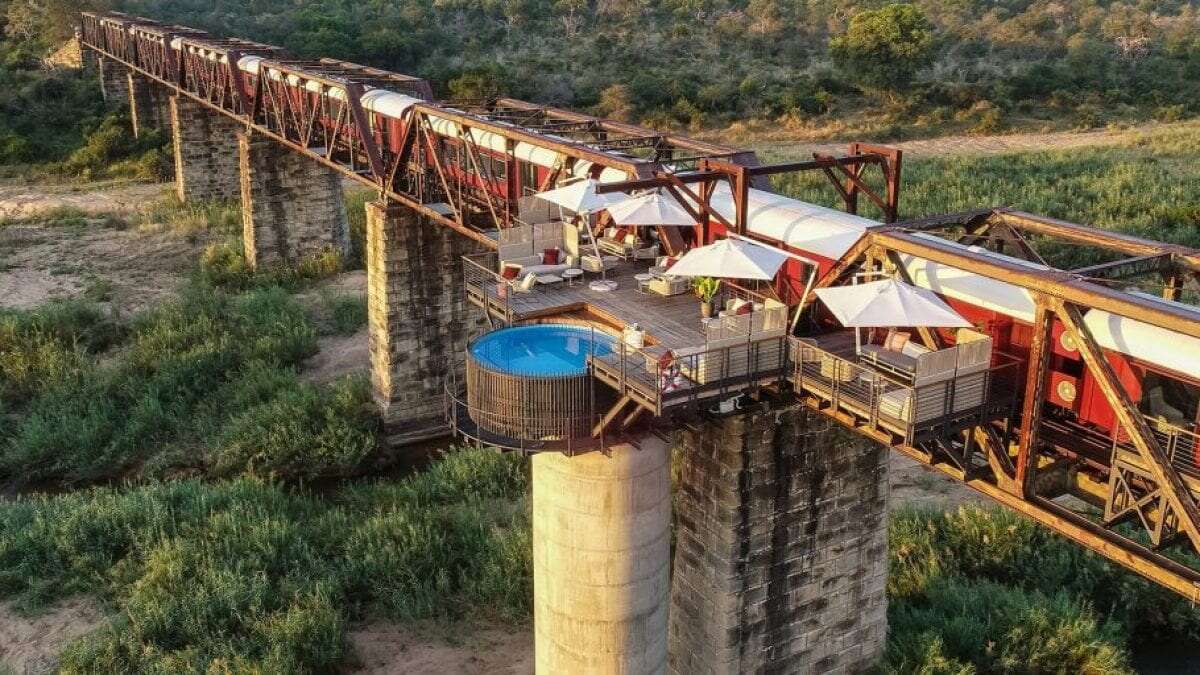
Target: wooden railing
x: 487, y: 289
x: 1182, y: 446
x: 916, y: 412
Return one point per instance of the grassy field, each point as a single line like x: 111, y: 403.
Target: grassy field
x: 1148, y: 185
x: 176, y: 466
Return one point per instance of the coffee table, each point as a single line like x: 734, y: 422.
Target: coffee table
x: 643, y: 282
x: 549, y: 279
x: 573, y: 276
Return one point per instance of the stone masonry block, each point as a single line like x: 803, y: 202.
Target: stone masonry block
x: 205, y: 150
x: 291, y: 205
x: 780, y: 560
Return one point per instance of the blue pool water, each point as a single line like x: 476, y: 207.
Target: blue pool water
x: 546, y: 350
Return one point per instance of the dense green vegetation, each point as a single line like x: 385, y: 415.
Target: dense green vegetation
x: 969, y: 65
x: 246, y: 576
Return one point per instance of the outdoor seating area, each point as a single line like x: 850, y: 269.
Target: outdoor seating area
x: 904, y: 387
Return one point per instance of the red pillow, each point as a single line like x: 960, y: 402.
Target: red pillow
x: 620, y: 234
x: 669, y: 262
x: 510, y: 272
x: 744, y: 308
x: 550, y: 256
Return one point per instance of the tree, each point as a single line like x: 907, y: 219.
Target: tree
x: 885, y: 48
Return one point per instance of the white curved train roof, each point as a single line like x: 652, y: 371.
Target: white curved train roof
x: 1145, y: 342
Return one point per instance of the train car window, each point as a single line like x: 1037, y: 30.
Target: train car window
x: 1169, y: 399
x: 529, y: 177
x: 499, y: 168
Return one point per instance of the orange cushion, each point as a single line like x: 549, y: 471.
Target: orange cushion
x: 510, y: 272
x: 895, y: 341
x: 550, y: 256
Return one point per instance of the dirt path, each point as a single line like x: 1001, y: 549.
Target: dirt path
x: 392, y: 649
x: 24, y: 201
x: 30, y: 645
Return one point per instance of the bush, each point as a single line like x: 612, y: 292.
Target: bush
x: 111, y: 151
x: 224, y: 265
x: 164, y: 394
x: 303, y: 433
x: 991, y: 545
x: 244, y: 576
x: 48, y: 345
x: 961, y: 626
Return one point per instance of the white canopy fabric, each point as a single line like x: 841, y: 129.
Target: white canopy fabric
x: 580, y: 197
x: 730, y: 259
x: 808, y: 227
x: 889, y: 303
x: 651, y: 209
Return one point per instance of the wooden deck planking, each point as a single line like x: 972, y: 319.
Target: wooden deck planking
x: 671, y: 322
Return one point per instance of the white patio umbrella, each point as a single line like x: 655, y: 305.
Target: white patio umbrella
x: 730, y: 259
x: 580, y: 197
x: 651, y: 209
x: 889, y: 304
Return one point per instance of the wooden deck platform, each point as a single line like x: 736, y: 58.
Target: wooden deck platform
x: 670, y: 322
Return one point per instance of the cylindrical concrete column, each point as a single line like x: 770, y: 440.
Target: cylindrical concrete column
x: 601, y: 554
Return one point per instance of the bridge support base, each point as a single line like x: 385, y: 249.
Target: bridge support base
x: 205, y: 148
x: 148, y: 105
x: 601, y: 553
x: 781, y: 547
x: 291, y: 206
x: 114, y: 81
x: 417, y: 317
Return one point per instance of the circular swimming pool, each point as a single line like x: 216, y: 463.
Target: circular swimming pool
x: 545, y: 350
x: 532, y: 382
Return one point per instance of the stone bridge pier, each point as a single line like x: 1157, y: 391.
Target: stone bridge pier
x: 205, y: 148
x: 148, y: 101
x: 781, y: 546
x: 418, y: 319
x: 291, y: 206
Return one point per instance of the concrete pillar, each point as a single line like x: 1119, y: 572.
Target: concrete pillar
x: 418, y: 318
x: 601, y: 554
x: 781, y: 547
x: 291, y: 205
x: 114, y: 82
x: 206, y: 154
x: 148, y: 104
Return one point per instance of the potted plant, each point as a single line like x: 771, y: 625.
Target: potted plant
x: 706, y: 289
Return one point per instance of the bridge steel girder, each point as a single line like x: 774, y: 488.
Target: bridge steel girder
x: 1011, y: 484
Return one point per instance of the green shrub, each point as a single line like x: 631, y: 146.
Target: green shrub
x: 164, y: 393
x: 224, y: 265
x: 347, y: 313
x: 41, y: 347
x: 356, y: 218
x: 210, y: 216
x: 1002, y: 547
x: 246, y: 576
x: 303, y: 433
x: 111, y: 151
x: 968, y: 626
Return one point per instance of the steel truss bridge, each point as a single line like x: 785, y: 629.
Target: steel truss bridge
x: 1138, y: 497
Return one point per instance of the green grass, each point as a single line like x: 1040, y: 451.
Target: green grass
x: 347, y: 314
x: 222, y: 217
x: 1145, y: 186
x: 205, y: 383
x: 984, y: 590
x: 224, y: 265
x: 244, y: 575
x: 49, y: 347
